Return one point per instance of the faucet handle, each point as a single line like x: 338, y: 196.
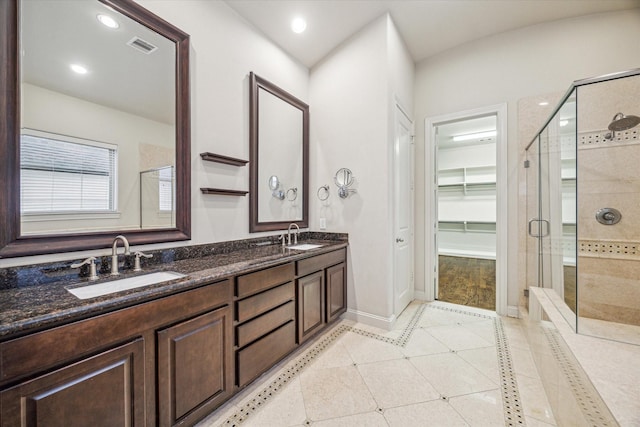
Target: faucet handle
x: 281, y: 237
x: 92, y: 267
x: 138, y: 254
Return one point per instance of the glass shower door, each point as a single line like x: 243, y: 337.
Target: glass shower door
x: 557, y: 208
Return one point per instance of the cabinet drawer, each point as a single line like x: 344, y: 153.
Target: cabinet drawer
x: 264, y: 353
x: 265, y: 279
x: 319, y: 262
x: 265, y: 323
x: 265, y: 301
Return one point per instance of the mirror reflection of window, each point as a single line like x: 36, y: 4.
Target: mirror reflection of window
x: 165, y: 189
x: 66, y: 175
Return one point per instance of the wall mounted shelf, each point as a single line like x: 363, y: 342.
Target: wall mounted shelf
x: 217, y: 158
x: 223, y: 192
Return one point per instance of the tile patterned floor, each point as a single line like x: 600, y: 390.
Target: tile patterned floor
x: 443, y: 365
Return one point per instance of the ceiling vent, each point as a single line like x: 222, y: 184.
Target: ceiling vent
x: 142, y: 45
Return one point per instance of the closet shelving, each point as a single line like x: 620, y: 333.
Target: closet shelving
x: 467, y: 179
x: 218, y: 158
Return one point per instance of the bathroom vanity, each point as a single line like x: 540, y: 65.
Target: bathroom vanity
x: 166, y: 354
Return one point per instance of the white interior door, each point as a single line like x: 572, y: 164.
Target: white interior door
x: 403, y: 211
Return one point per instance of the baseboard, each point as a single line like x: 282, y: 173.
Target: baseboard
x: 513, y: 311
x: 371, y: 319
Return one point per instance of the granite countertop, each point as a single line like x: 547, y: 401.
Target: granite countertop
x: 37, y: 298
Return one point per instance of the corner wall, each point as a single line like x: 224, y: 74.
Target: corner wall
x: 352, y: 95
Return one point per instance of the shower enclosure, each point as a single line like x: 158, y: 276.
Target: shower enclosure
x: 583, y: 207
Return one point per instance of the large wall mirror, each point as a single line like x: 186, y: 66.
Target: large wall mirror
x: 279, y: 158
x: 96, y: 137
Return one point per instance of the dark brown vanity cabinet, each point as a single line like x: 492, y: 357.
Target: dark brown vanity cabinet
x: 265, y: 328
x: 171, y: 357
x: 194, y: 361
x: 103, y: 390
x: 321, y: 291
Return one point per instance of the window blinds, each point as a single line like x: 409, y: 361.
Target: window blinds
x: 61, y: 176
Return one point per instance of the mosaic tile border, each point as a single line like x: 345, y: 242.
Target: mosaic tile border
x: 591, y: 405
x: 288, y: 373
x: 513, y: 413
x: 611, y: 249
x: 596, y: 139
x: 508, y: 384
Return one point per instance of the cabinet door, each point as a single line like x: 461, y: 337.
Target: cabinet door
x: 311, y: 310
x: 194, y: 367
x: 336, y: 291
x: 104, y: 390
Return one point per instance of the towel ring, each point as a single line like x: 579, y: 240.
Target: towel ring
x: 323, y: 192
x: 292, y: 194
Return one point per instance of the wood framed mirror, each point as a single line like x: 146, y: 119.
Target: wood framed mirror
x: 31, y: 120
x: 279, y: 153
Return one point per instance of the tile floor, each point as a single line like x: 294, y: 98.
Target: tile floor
x: 443, y: 365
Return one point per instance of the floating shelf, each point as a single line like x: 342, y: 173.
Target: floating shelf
x: 211, y: 157
x: 223, y: 192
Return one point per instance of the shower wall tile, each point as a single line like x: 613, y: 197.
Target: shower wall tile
x: 609, y: 290
x: 609, y: 169
x: 598, y: 103
x: 628, y: 229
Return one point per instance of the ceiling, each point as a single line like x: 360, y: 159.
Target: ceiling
x: 55, y: 34
x: 427, y: 26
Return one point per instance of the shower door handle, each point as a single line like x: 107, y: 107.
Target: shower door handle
x: 544, y: 233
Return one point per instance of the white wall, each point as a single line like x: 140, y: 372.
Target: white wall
x: 509, y: 66
x: 352, y: 99
x: 224, y: 49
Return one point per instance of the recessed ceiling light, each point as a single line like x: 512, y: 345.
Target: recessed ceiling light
x: 563, y: 123
x: 298, y: 25
x: 108, y: 21
x: 477, y: 135
x: 78, y: 69
x: 543, y: 103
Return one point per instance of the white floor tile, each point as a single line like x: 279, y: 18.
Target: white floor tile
x: 285, y: 409
x: 396, y: 382
x: 363, y: 349
x: 369, y: 419
x: 423, y: 343
x: 335, y: 392
x: 458, y: 337
x: 483, y: 359
x: 480, y: 409
x: 437, y: 413
x: 451, y: 375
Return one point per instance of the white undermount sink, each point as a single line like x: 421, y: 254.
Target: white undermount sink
x: 105, y: 288
x: 305, y: 246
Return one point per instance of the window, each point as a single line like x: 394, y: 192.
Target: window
x: 60, y: 174
x: 165, y: 189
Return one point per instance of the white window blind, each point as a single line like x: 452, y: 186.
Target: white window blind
x: 59, y: 176
x: 165, y: 188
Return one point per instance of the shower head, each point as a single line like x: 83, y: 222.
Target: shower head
x: 621, y: 122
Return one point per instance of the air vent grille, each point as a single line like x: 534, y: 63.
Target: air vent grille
x: 142, y: 45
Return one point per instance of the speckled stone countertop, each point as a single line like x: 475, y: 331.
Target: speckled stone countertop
x: 34, y: 298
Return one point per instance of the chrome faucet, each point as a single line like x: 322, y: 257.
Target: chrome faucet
x: 295, y: 236
x: 114, y: 253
